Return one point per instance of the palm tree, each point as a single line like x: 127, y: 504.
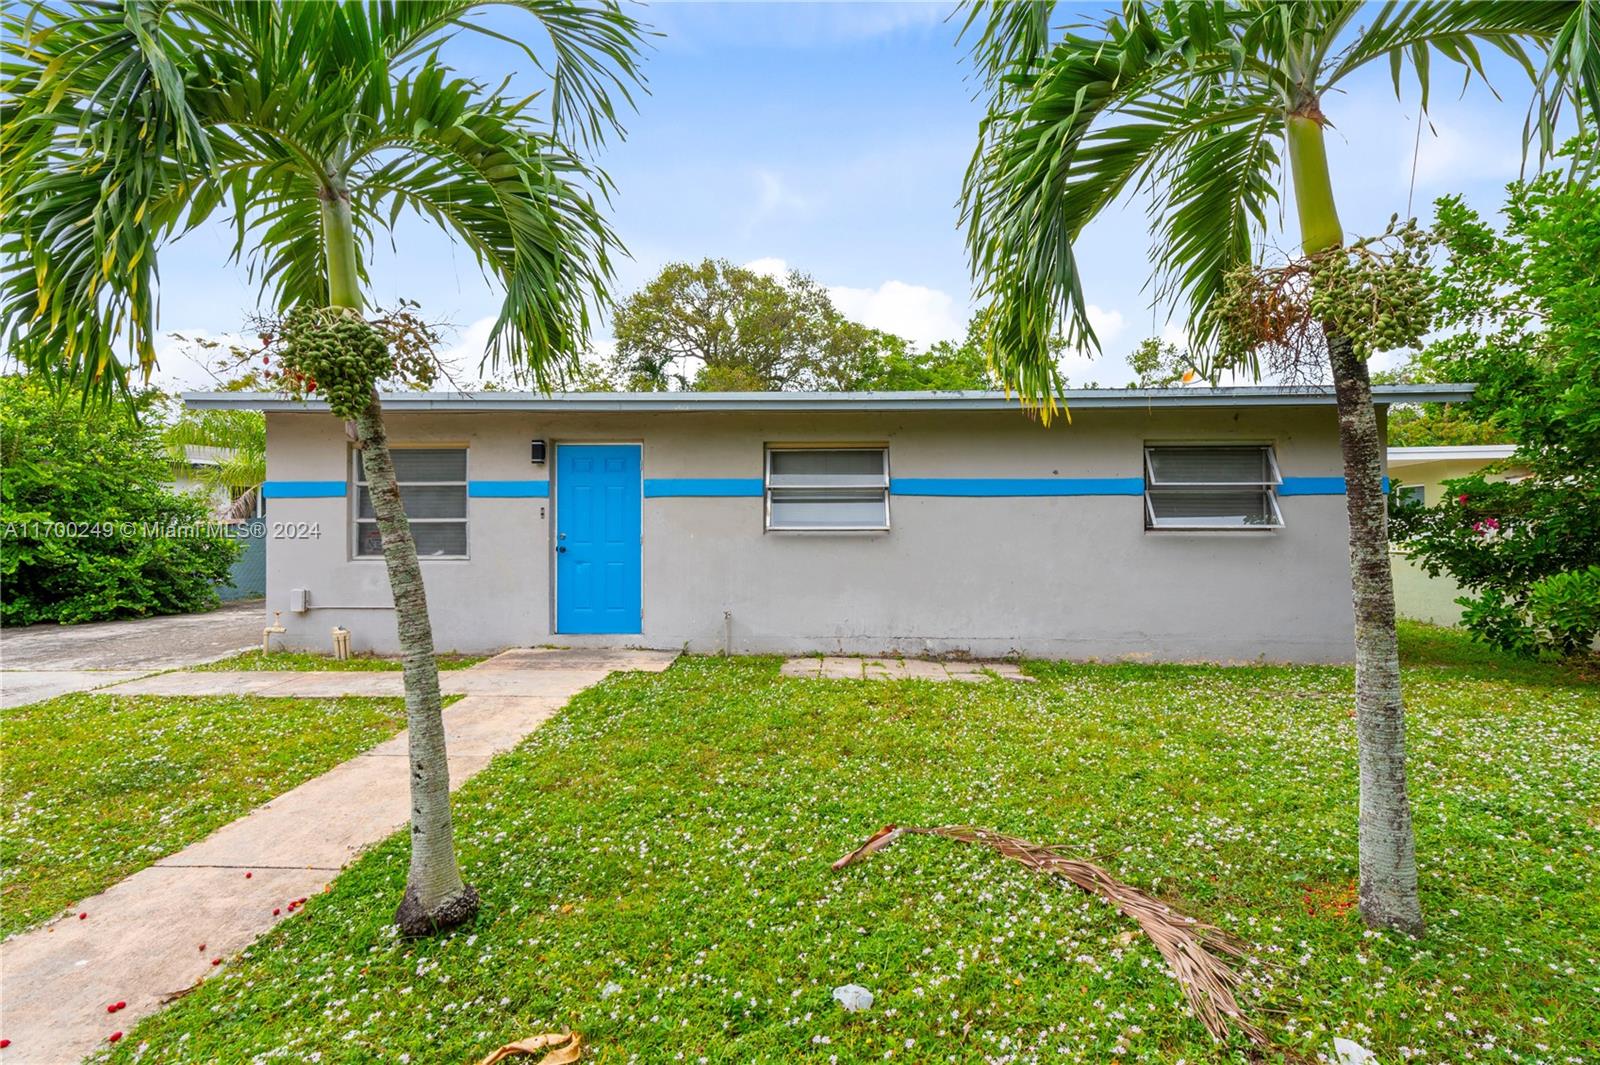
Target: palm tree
x: 235, y: 444
x: 1188, y: 102
x: 127, y: 123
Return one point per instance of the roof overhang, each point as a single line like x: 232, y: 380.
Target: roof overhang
x: 1416, y: 456
x: 820, y: 402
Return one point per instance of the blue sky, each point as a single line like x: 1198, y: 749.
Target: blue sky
x: 832, y: 138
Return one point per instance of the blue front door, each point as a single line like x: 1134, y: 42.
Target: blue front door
x: 598, y: 538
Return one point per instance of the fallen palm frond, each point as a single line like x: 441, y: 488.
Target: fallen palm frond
x: 564, y: 1047
x: 1198, y: 954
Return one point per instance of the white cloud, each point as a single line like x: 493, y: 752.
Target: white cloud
x: 700, y: 27
x: 1445, y: 155
x: 769, y: 266
x: 774, y: 199
x: 184, y: 362
x: 1107, y: 325
x: 916, y: 312
x: 469, y: 347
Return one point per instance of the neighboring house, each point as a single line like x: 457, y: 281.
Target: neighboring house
x: 1419, y: 475
x: 1162, y: 524
x: 189, y: 479
x: 247, y: 578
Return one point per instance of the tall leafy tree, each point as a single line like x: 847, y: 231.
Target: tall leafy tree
x: 1522, y: 307
x: 1193, y: 104
x: 716, y: 327
x: 127, y: 123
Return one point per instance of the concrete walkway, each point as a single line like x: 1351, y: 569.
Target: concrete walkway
x: 43, y: 661
x: 835, y: 667
x: 141, y: 940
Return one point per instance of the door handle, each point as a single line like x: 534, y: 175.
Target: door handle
x: 561, y: 549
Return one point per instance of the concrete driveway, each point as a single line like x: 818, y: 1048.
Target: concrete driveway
x: 43, y: 661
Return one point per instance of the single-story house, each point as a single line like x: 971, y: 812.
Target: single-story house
x: 1419, y: 475
x: 1162, y: 524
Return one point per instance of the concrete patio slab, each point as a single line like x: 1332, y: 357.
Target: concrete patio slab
x: 550, y: 683
x: 19, y: 687
x: 645, y: 661
x: 141, y: 939
x: 834, y: 667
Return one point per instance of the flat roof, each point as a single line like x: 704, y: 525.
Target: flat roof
x: 1413, y: 456
x: 703, y: 402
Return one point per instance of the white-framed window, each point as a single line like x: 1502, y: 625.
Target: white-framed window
x: 1211, y: 486
x: 827, y: 489
x: 433, y: 486
x: 1411, y: 495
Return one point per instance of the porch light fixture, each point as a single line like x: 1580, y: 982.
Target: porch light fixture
x: 538, y: 453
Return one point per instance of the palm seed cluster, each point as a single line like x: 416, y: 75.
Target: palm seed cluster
x: 1377, y: 293
x: 336, y: 353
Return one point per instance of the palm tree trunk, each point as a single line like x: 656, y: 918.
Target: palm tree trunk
x: 436, y: 897
x: 1387, y: 858
x: 1387, y: 845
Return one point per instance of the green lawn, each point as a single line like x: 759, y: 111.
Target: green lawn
x: 654, y: 868
x: 96, y: 787
x: 301, y: 661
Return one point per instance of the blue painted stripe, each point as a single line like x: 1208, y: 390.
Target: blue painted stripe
x: 1018, y: 486
x: 1317, y: 486
x: 508, y: 489
x: 303, y: 489
x: 667, y: 487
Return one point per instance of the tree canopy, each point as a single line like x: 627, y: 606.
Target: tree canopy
x: 717, y: 327
x: 1523, y: 308
x: 92, y: 528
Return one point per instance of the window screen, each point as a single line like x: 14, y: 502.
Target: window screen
x: 433, y: 487
x: 827, y: 488
x: 1209, y: 487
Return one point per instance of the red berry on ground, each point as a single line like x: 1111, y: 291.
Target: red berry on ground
x: 114, y: 1037
x: 4, y: 1043
x: 216, y: 961
x: 276, y: 911
x: 83, y: 917
x: 247, y: 876
x: 111, y: 1008
x: 202, y: 946
x: 122, y: 1005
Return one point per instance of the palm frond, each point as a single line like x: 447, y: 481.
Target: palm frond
x: 1011, y: 37
x: 1210, y: 207
x: 1179, y: 116
x: 523, y: 204
x: 594, y: 63
x: 1565, y: 32
x: 233, y: 444
x: 1202, y: 958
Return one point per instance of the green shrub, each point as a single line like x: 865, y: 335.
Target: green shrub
x: 91, y: 529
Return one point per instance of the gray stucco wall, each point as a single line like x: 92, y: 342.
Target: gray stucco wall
x: 1060, y: 576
